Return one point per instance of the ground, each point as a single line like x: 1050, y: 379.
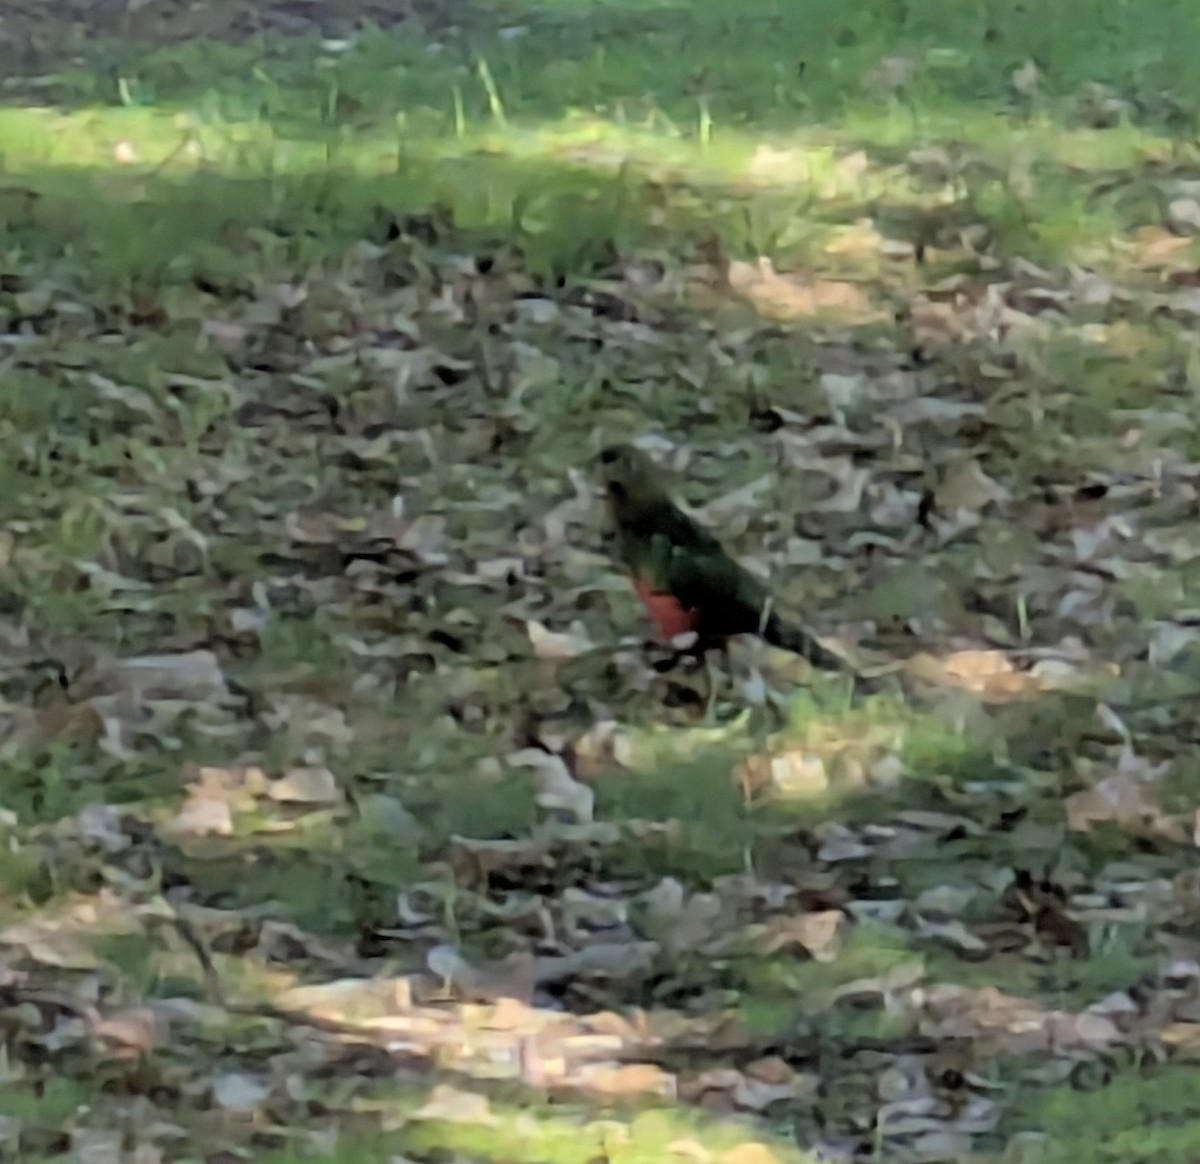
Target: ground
x: 349, y: 810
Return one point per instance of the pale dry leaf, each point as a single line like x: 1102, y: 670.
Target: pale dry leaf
x: 1125, y: 800
x: 228, y: 336
x: 934, y: 1147
x: 289, y: 296
x: 607, y: 959
x: 1026, y: 79
x: 451, y: 1105
x: 898, y: 981
x: 604, y: 740
x: 681, y: 922
x: 839, y: 843
x: 932, y: 410
x: 754, y: 688
x: 101, y: 824
x: 945, y: 900
x: 1185, y: 302
x: 343, y: 998
x: 976, y: 666
x: 1021, y: 175
x: 749, y: 1153
x: 746, y: 1092
x: 886, y: 771
x: 690, y: 1149
x: 386, y: 816
x: 850, y: 484
x: 627, y: 1079
x: 539, y: 312
x: 846, y: 391
x: 1183, y: 216
x: 307, y: 785
x: 722, y: 511
x: 97, y: 1146
x: 859, y: 241
x: 799, y: 773
x: 1167, y: 640
x: 817, y: 933
x: 953, y: 934
x: 586, y: 913
x: 933, y: 163
x: 136, y: 1029
x: 51, y: 943
x: 1026, y: 1148
x: 240, y: 1091
x: 195, y: 675
x: 309, y: 721
x: 557, y: 646
x: 784, y: 295
x: 135, y: 399
x: 534, y: 369
x: 454, y: 971
x: 890, y: 74
x: 202, y: 815
x: 966, y: 487
x: 556, y: 787
x: 425, y: 536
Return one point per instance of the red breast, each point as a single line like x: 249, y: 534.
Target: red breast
x: 666, y: 610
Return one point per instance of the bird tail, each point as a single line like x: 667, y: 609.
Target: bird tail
x: 790, y: 636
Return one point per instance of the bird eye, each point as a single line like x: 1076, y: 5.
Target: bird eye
x: 610, y: 456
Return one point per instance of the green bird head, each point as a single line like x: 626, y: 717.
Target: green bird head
x: 630, y: 479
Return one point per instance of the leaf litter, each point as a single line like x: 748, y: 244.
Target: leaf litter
x: 362, y: 613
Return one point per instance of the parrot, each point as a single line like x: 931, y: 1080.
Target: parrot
x: 682, y: 574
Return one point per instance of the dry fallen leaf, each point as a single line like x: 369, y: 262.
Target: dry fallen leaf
x: 816, y: 933
x: 310, y: 785
x: 1026, y: 79
x: 195, y: 675
x: 450, y: 1105
x: 557, y: 646
x: 967, y: 487
x: 556, y: 788
x: 240, y: 1092
x: 203, y: 815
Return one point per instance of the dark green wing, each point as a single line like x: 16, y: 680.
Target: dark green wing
x: 680, y: 557
x: 730, y: 600
x: 650, y: 543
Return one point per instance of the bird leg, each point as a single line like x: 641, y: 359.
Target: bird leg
x: 710, y: 705
x: 714, y: 677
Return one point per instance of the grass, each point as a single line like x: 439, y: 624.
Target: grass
x: 463, y: 115
x: 270, y: 305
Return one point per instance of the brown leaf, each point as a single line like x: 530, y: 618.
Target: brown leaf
x: 789, y: 296
x: 195, y: 675
x: 627, y: 1079
x: 967, y: 487
x: 817, y: 933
